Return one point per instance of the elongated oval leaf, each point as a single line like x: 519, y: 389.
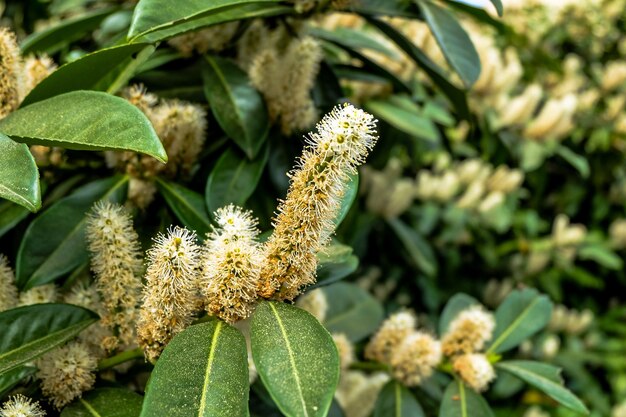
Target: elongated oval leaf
x: 187, y: 205
x: 352, y: 311
x: 394, y: 400
x: 454, y: 306
x: 296, y: 359
x: 349, y: 195
x: 454, y: 42
x: 105, y: 402
x: 54, y: 242
x: 418, y: 249
x: 546, y: 378
x: 29, y: 332
x: 237, y: 106
x: 19, y: 177
x: 84, y: 73
x: 521, y: 314
x: 410, y: 122
x: 10, y: 215
x: 169, y: 18
x: 461, y: 401
x: 234, y: 179
x: 87, y: 120
x: 202, y: 372
x: 11, y: 378
x: 498, y: 5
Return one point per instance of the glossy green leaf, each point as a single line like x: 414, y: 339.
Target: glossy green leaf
x: 546, y: 378
x: 334, y: 263
x: 352, y: 311
x: 461, y: 401
x: 296, y: 358
x: 105, y: 402
x: 187, y: 205
x: 349, y: 196
x: 498, y: 5
x: 238, y: 107
x: 155, y: 20
x: 10, y: 379
x: 55, y: 38
x: 454, y: 42
x: 454, y: 306
x: 233, y: 179
x: 54, y: 243
x: 394, y: 400
x: 522, y: 314
x: 10, y: 215
x: 19, y: 177
x: 28, y: 332
x: 579, y: 162
x: 357, y: 39
x: 418, y: 248
x: 410, y: 122
x: 85, y: 73
x: 86, y: 120
x: 202, y: 372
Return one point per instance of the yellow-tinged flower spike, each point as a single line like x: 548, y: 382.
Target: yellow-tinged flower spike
x: 314, y: 302
x: 8, y: 290
x: 415, y: 358
x: 36, y: 68
x: 305, y: 219
x: 231, y: 263
x: 117, y: 265
x: 469, y: 331
x: 390, y: 336
x: 171, y: 289
x: 21, y: 406
x: 66, y: 373
x: 475, y: 370
x: 10, y: 72
x: 41, y: 294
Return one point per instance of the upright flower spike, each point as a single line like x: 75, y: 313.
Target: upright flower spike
x: 390, y: 336
x: 231, y: 264
x: 171, y: 290
x: 469, y: 331
x: 8, y: 290
x: 21, y: 406
x: 305, y: 218
x: 10, y: 72
x: 116, y: 263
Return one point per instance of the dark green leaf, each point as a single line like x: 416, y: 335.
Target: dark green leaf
x: 350, y: 193
x: 454, y: 306
x: 331, y: 272
x: 547, y: 378
x: 203, y: 371
x: 19, y: 177
x: 105, y: 402
x: 56, y: 37
x: 454, y: 42
x: 10, y: 215
x: 577, y: 161
x: 237, y: 106
x: 29, y: 332
x: 461, y: 401
x: 86, y: 120
x: 85, y: 73
x: 394, y: 400
x: 352, y: 311
x: 602, y: 255
x: 296, y: 359
x: 54, y: 243
x: 234, y: 179
x: 408, y: 121
x: 498, y: 5
x: 419, y: 250
x: 10, y: 379
x: 187, y: 205
x: 522, y: 314
x: 357, y: 39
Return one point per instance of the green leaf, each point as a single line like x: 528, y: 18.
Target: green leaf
x: 105, y: 402
x: 409, y: 122
x: 10, y: 379
x: 353, y: 38
x: 87, y: 120
x: 203, y: 371
x: 187, y: 205
x: 601, y: 255
x: 454, y: 42
x: 233, y: 179
x: 55, y: 38
x: 350, y: 193
x: 332, y: 271
x: 85, y: 73
x: 394, y: 400
x: 54, y: 243
x: 522, y: 314
x: 498, y: 5
x: 296, y: 358
x: 155, y: 20
x: 461, y: 401
x: 454, y: 306
x: 577, y: 161
x: 237, y: 106
x: 29, y: 332
x: 19, y: 177
x: 352, y: 311
x: 546, y: 378
x: 10, y: 215
x: 419, y: 250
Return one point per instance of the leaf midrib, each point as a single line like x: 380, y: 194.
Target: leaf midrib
x: 505, y: 334
x: 189, y: 206
x: 207, y: 375
x: 89, y: 408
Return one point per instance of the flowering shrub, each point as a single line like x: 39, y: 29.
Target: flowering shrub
x: 312, y: 208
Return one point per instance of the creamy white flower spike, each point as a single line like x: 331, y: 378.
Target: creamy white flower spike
x: 21, y: 406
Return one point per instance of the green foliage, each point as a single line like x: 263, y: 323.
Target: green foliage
x: 395, y: 400
x: 19, y: 180
x: 106, y: 402
x: 460, y: 401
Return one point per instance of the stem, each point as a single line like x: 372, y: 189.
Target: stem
x: 370, y: 366
x: 121, y: 357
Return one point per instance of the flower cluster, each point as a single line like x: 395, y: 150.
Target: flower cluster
x: 21, y: 406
